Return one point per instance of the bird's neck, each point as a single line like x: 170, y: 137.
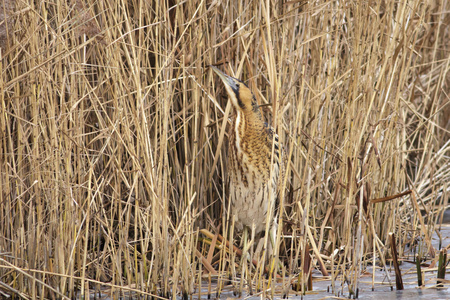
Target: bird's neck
x: 248, y: 126
x: 249, y: 118
x: 252, y: 116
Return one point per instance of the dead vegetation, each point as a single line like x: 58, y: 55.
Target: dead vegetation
x: 113, y: 138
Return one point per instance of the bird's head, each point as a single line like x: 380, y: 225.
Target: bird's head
x: 240, y: 95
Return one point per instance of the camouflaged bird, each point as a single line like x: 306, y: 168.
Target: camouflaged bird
x: 250, y: 159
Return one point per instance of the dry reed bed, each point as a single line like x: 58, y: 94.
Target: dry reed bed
x: 113, y: 137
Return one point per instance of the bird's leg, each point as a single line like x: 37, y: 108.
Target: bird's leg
x: 259, y: 247
x: 250, y: 264
x: 272, y: 250
x: 273, y: 237
x: 245, y: 238
x: 244, y: 258
x: 252, y: 248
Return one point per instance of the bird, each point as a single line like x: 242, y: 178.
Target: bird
x: 253, y: 188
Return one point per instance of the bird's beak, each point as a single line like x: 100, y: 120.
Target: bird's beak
x: 228, y: 80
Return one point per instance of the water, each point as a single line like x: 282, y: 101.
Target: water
x: 382, y: 289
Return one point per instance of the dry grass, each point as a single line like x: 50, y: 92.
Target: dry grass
x: 113, y: 136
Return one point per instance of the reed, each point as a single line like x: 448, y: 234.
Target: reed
x: 113, y: 139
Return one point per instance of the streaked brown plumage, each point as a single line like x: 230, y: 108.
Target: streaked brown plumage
x: 250, y: 157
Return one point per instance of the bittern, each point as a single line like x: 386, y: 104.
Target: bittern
x: 252, y: 182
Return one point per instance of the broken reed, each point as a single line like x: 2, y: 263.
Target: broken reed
x: 419, y: 271
x: 442, y: 264
x: 398, y: 273
x: 113, y: 136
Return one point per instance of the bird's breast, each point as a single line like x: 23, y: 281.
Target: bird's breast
x: 250, y: 153
x: 252, y: 171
